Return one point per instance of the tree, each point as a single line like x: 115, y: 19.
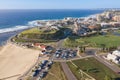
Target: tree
x: 103, y: 47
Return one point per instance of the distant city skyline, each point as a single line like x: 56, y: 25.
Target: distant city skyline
x: 58, y: 4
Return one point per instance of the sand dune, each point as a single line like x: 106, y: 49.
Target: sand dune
x: 15, y: 61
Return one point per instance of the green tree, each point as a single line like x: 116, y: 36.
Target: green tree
x: 103, y: 47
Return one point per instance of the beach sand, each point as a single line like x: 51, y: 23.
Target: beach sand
x: 15, y: 61
x: 0, y: 48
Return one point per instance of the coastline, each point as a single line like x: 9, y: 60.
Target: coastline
x: 31, y: 23
x: 13, y: 34
x: 12, y: 55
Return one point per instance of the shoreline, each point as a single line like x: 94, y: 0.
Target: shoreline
x: 9, y: 39
x: 19, y: 31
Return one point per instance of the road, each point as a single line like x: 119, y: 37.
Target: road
x: 60, y: 44
x: 113, y: 67
x: 67, y: 71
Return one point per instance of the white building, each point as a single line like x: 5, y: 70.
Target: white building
x: 114, y: 56
x: 109, y: 15
x: 99, y: 17
x: 116, y: 53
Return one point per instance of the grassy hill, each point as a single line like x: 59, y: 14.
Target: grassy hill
x: 39, y: 35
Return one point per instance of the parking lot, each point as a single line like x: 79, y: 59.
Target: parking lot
x: 65, y: 54
x: 41, y: 70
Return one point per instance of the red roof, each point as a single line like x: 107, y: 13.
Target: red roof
x: 41, y: 45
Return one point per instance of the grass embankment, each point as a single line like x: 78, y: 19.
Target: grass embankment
x: 94, y: 68
x: 37, y: 35
x: 93, y: 41
x: 55, y: 73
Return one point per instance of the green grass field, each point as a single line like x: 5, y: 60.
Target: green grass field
x: 36, y: 31
x: 94, y: 41
x: 55, y: 73
x: 94, y: 68
x: 37, y: 35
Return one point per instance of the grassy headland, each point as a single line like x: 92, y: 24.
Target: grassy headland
x: 38, y: 35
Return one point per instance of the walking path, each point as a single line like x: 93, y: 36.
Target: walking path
x: 67, y: 71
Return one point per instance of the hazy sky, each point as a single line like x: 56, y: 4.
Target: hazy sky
x: 58, y: 4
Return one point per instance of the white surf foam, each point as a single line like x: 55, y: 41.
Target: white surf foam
x: 16, y: 28
x: 30, y: 24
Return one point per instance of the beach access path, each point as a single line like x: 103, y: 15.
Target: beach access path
x: 15, y: 61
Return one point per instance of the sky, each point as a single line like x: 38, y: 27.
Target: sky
x: 58, y: 4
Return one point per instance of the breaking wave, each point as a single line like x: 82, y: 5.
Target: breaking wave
x: 30, y: 24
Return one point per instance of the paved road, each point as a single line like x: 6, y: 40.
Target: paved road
x: 60, y: 44
x: 67, y: 71
x: 77, y: 58
x: 113, y: 67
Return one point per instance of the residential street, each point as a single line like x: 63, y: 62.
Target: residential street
x: 67, y: 71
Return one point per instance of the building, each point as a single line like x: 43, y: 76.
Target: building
x: 114, y: 57
x: 40, y: 46
x: 94, y: 27
x: 99, y: 18
x: 79, y: 29
x: 115, y: 24
x: 108, y: 15
x: 105, y: 25
x: 116, y: 18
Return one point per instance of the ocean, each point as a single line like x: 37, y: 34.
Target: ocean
x: 11, y: 21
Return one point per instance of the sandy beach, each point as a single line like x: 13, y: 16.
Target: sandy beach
x: 0, y: 48
x: 15, y: 61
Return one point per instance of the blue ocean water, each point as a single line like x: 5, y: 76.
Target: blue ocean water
x: 12, y: 19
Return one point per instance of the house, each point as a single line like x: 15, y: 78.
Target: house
x: 38, y: 45
x: 94, y: 27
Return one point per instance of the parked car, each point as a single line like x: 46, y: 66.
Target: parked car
x: 35, y: 73
x: 57, y: 55
x: 44, y: 62
x: 42, y: 75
